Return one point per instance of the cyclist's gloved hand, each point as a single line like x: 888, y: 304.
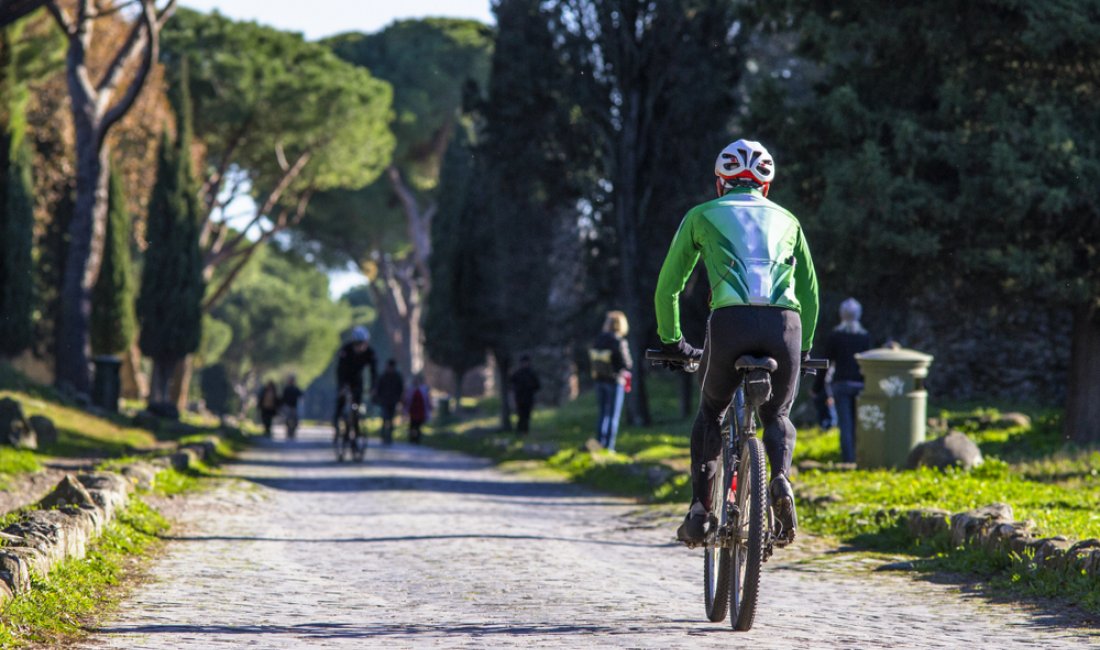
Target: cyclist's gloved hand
x: 806, y: 371
x: 683, y: 348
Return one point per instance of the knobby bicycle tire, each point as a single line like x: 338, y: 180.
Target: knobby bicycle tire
x: 753, y: 478
x: 716, y: 558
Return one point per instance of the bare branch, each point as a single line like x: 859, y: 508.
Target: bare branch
x: 111, y: 10
x: 280, y: 156
x: 62, y: 18
x: 151, y: 22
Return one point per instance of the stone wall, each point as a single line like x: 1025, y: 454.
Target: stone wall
x: 992, y: 529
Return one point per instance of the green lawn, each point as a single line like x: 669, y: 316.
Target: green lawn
x: 1034, y: 470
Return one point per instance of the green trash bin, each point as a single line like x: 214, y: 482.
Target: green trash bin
x: 891, y: 410
x: 107, y: 387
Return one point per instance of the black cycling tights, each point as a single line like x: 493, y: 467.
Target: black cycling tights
x: 731, y: 332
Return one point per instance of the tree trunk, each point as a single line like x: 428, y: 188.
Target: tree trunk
x: 459, y: 376
x: 398, y: 297
x: 504, y: 366
x: 180, y: 390
x: 134, y: 384
x: 82, y: 259
x: 160, y: 392
x: 1082, y: 420
x: 627, y: 186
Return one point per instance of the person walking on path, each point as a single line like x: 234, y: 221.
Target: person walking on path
x: 291, y: 395
x: 391, y: 387
x: 418, y: 406
x: 848, y: 339
x: 611, y: 365
x: 268, y: 404
x: 525, y: 383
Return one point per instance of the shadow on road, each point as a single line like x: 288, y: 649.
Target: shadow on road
x: 364, y: 483
x: 410, y: 538
x: 348, y: 630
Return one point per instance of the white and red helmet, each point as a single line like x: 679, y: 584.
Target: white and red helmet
x: 744, y: 159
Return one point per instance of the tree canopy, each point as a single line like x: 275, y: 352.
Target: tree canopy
x: 281, y: 320
x: 949, y: 151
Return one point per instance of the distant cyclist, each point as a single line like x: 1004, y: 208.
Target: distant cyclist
x: 763, y: 302
x: 353, y: 357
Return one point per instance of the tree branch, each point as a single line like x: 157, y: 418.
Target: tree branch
x: 152, y: 23
x: 62, y: 18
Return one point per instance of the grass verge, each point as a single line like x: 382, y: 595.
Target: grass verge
x: 79, y: 592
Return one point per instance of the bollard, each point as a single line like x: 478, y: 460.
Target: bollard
x: 107, y: 387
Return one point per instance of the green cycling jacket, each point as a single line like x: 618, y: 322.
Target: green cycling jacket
x: 755, y: 254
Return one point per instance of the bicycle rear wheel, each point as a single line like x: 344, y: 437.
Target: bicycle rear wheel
x: 751, y: 535
x: 716, y: 558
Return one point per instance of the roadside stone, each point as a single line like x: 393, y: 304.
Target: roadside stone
x: 1050, y: 552
x: 69, y: 492
x: 183, y: 459
x: 953, y: 450
x: 927, y: 523
x: 44, y: 430
x: 14, y: 428
x: 1014, y: 420
x: 67, y: 520
x: 109, y: 490
x: 14, y: 571
x: 142, y: 475
x: 966, y: 526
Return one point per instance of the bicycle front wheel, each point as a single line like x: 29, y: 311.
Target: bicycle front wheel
x: 750, y: 535
x: 359, y: 443
x: 716, y: 555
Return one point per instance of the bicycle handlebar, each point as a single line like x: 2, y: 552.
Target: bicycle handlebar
x: 660, y: 358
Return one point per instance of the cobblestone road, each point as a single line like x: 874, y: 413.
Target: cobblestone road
x: 420, y: 548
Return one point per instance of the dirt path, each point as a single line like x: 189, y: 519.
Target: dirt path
x: 422, y: 548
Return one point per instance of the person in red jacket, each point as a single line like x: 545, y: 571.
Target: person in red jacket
x: 418, y: 407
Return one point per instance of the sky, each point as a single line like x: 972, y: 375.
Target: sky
x: 319, y: 18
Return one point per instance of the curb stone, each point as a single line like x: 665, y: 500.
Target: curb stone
x: 82, y: 506
x: 994, y: 530
x: 71, y: 516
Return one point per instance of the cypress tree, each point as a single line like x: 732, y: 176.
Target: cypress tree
x: 16, y: 210
x: 172, y: 285
x: 113, y: 295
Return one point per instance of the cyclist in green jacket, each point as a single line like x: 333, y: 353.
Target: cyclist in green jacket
x: 763, y: 302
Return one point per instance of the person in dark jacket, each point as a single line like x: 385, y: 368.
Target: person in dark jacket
x: 391, y: 387
x: 841, y: 347
x: 289, y: 403
x: 268, y: 404
x: 611, y: 365
x: 352, y: 358
x: 525, y: 383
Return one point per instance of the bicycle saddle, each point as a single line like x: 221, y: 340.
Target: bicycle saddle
x: 749, y: 362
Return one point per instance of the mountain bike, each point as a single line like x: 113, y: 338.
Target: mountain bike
x: 349, y: 439
x: 743, y: 531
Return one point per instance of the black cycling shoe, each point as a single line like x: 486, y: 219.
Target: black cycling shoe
x: 694, y: 529
x: 786, y: 520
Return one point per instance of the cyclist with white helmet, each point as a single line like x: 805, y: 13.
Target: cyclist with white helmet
x: 763, y: 302
x: 353, y: 357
